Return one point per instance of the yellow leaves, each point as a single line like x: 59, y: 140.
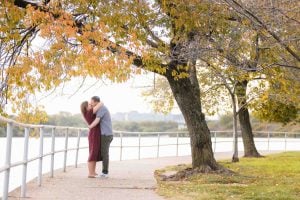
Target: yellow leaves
x: 275, y: 111
x: 31, y: 114
x: 24, y: 105
x: 18, y: 74
x: 279, y: 99
x: 10, y: 22
x: 12, y: 14
x: 160, y: 97
x: 180, y: 72
x: 179, y: 75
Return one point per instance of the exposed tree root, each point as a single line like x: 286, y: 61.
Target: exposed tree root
x: 189, y: 172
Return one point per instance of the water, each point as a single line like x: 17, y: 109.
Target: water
x: 130, y: 150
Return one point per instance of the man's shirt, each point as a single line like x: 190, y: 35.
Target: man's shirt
x: 105, y: 121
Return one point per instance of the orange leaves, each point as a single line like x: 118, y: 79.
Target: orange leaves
x: 35, y: 17
x: 58, y: 25
x: 82, y: 41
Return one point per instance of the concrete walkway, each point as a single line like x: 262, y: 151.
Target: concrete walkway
x: 129, y: 180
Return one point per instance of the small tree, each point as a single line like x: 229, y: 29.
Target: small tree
x: 280, y: 102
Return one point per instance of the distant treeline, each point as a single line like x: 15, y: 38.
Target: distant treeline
x: 67, y: 119
x: 223, y: 124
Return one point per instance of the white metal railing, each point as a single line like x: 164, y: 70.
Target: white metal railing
x: 121, y: 134
x: 8, y: 165
x: 215, y: 134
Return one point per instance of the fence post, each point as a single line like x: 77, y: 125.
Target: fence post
x: 139, y: 146
x: 7, y: 160
x: 215, y: 136
x: 25, y: 160
x: 177, y: 143
x: 158, y: 140
x: 52, y: 152
x: 268, y: 141
x: 285, y: 141
x: 66, y: 150
x: 40, y: 172
x: 121, y: 145
x: 77, y: 148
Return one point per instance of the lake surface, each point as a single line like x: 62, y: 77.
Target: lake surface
x: 129, y: 151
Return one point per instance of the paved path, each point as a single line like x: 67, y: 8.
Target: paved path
x: 129, y: 180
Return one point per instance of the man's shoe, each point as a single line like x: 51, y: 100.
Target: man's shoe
x: 104, y: 175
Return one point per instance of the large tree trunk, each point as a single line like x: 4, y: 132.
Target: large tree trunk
x: 246, y: 129
x: 187, y: 96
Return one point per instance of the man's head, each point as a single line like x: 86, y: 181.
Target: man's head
x: 95, y: 100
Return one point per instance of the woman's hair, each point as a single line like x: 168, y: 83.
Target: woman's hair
x: 84, y: 106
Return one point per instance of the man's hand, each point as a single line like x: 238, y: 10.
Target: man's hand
x: 95, y: 122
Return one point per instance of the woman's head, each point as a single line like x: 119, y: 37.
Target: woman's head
x: 84, y: 107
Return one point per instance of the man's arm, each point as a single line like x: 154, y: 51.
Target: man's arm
x: 97, y: 107
x: 94, y: 123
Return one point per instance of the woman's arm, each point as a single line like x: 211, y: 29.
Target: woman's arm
x: 97, y: 107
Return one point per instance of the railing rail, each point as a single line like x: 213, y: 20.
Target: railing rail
x: 122, y: 134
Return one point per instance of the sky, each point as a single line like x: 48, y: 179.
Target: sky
x: 122, y: 97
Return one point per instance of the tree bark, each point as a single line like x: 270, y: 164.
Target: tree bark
x: 244, y: 118
x: 187, y: 97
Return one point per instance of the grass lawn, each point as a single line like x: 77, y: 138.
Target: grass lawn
x: 272, y: 177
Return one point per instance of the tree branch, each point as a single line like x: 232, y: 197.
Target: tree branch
x: 158, y: 41
x: 255, y: 19
x: 244, y: 105
x: 113, y: 47
x: 287, y: 66
x: 24, y: 4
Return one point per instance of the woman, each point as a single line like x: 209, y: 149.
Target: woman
x: 94, y: 137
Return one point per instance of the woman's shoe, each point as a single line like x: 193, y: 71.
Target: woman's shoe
x: 92, y: 176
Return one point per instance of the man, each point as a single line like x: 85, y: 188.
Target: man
x: 103, y: 116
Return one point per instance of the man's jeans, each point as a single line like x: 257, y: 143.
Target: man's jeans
x: 105, y: 143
